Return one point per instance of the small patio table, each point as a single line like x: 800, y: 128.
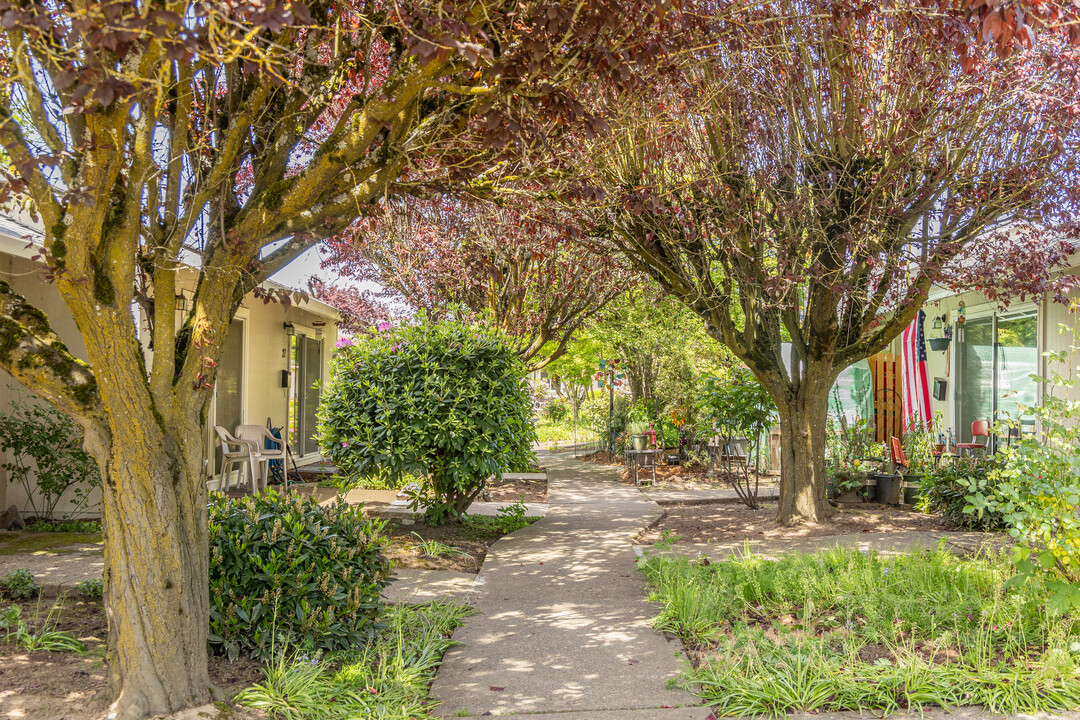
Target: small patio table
x: 642, y: 460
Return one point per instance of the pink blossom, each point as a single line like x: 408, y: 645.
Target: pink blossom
x: 382, y: 326
x: 344, y: 342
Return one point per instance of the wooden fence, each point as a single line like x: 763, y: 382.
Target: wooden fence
x: 888, y: 399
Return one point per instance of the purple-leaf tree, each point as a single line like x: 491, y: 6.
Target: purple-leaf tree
x: 809, y: 176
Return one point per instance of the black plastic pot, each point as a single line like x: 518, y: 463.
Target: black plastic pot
x: 912, y: 495
x: 888, y: 489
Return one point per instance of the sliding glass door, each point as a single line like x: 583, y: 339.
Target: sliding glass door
x: 996, y: 357
x: 228, y: 384
x: 305, y: 367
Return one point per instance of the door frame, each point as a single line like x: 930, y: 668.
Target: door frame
x: 298, y: 338
x: 1020, y: 311
x: 210, y: 437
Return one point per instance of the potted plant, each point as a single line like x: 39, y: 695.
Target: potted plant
x: 638, y: 439
x: 847, y: 482
x: 920, y: 447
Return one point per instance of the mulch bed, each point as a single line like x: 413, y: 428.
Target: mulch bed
x: 405, y: 550
x: 73, y: 686
x: 530, y: 491
x: 672, y: 477
x: 727, y: 522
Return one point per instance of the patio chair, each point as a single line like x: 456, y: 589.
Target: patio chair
x: 240, y: 456
x: 979, y: 428
x: 261, y: 455
x: 899, y: 459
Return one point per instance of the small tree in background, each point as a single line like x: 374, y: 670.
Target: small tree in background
x: 730, y: 409
x: 438, y: 400
x: 47, y: 458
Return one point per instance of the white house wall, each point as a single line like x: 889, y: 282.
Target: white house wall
x: 26, y: 278
x: 265, y: 355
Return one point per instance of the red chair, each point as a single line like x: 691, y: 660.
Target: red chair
x: 979, y: 428
x: 899, y: 459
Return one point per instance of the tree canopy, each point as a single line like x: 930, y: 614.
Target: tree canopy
x: 516, y: 267
x: 808, y: 179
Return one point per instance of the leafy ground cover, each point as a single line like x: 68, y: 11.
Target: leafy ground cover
x: 724, y: 522
x: 388, y: 678
x: 559, y: 432
x: 842, y: 630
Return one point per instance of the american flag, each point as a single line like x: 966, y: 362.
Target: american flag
x: 916, y: 387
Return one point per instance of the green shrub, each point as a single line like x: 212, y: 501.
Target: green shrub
x: 557, y: 410
x: 951, y: 487
x: 284, y: 570
x: 47, y: 458
x: 93, y: 588
x: 1037, y: 496
x: 19, y: 585
x: 607, y: 424
x: 440, y: 400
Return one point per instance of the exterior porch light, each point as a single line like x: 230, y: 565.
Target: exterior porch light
x: 181, y: 302
x: 318, y: 325
x: 289, y: 329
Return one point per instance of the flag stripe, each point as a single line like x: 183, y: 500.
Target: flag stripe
x: 916, y: 391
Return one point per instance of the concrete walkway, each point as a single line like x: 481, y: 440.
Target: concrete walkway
x: 562, y: 626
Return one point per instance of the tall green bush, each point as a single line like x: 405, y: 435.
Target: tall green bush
x: 47, y: 458
x: 286, y: 572
x: 437, y: 399
x: 1037, y: 495
x: 950, y: 487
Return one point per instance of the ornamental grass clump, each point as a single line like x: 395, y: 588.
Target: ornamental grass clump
x: 286, y: 571
x: 438, y: 400
x: 844, y: 630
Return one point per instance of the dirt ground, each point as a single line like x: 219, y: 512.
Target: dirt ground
x: 729, y: 521
x: 69, y: 686
x: 470, y: 541
x: 674, y: 477
x: 530, y: 491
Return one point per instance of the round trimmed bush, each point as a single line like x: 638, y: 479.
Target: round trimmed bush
x: 439, y: 400
x: 285, y: 571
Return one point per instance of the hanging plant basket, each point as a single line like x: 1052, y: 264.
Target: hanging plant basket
x: 941, y: 343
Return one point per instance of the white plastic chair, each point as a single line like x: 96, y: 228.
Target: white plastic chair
x: 261, y: 455
x: 241, y: 456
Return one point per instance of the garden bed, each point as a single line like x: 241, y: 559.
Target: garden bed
x: 730, y: 521
x: 844, y: 630
x: 673, y: 477
x: 515, y: 490
x: 75, y: 686
x: 454, y: 546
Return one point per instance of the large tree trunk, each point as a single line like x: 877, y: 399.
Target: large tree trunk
x: 156, y: 569
x: 802, y: 436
